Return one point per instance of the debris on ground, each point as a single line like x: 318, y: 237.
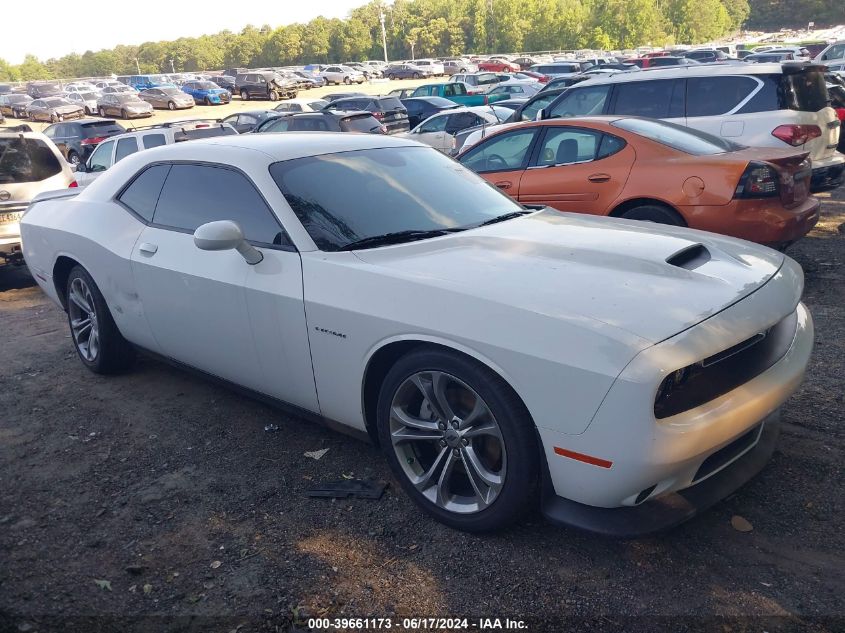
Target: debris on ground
x: 103, y: 584
x: 741, y: 524
x: 348, y: 488
x: 271, y: 428
x: 316, y: 454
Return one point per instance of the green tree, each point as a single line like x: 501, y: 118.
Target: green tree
x: 32, y: 69
x: 8, y: 72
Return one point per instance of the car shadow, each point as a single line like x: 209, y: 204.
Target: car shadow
x: 15, y: 278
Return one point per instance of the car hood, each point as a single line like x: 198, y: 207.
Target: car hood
x: 646, y: 279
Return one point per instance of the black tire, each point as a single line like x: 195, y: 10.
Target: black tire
x: 415, y: 76
x: 115, y: 353
x: 124, y: 114
x: 391, y: 77
x: 654, y: 213
x: 171, y: 105
x: 347, y: 80
x: 519, y: 490
x: 73, y: 158
x: 244, y: 95
x: 274, y: 96
x: 101, y: 112
x: 53, y: 118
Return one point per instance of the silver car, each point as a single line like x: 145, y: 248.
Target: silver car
x: 125, y: 105
x: 342, y: 75
x: 168, y: 97
x: 87, y: 100
x: 53, y: 109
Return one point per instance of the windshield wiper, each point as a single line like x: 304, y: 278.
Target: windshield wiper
x: 397, y: 237
x: 502, y: 218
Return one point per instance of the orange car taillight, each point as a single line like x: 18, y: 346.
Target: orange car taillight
x: 796, y: 135
x: 759, y: 181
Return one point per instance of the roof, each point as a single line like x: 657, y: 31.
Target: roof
x: 695, y: 70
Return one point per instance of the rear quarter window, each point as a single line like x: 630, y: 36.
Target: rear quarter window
x: 142, y: 193
x: 805, y: 91
x: 360, y: 124
x: 712, y: 96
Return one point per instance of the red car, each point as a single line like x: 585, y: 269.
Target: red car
x: 538, y: 76
x: 498, y: 66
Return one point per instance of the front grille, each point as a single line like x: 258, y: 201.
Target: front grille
x: 727, y: 454
x: 722, y: 372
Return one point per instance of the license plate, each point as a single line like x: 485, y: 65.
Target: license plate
x: 8, y: 218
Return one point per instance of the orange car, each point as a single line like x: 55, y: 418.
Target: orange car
x: 651, y: 170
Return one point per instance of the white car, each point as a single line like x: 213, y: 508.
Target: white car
x: 87, y: 100
x: 301, y: 105
x: 439, y: 130
x: 432, y: 65
x: 81, y: 87
x: 626, y: 374
x: 516, y: 88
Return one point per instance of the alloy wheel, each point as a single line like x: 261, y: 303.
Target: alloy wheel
x: 83, y: 320
x: 448, y: 442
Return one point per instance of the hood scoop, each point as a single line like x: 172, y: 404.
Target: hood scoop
x: 690, y: 257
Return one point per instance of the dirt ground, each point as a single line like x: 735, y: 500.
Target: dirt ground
x: 157, y: 501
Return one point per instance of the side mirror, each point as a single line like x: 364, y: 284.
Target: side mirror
x: 225, y: 235
x: 541, y: 113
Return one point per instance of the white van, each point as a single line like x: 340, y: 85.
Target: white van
x: 759, y: 105
x: 834, y: 52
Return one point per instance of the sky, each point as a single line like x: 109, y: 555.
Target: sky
x: 52, y: 29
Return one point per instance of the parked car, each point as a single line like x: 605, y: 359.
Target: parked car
x: 515, y: 88
x: 498, y: 66
x: 420, y: 108
x: 566, y: 82
x: 477, y: 83
x: 53, y: 109
x: 122, y: 89
x: 798, y: 53
x: 79, y: 88
x: 125, y: 105
x: 14, y: 105
x: 368, y: 71
x: 457, y: 92
x: 401, y: 93
x: 118, y: 147
x: 436, y: 68
x: 705, y: 55
x: 314, y: 80
x: 459, y: 66
x: 77, y: 140
x: 530, y: 75
x: 145, y: 82
x: 833, y: 53
x: 389, y: 111
x: 334, y: 96
x: 301, y: 105
x: 107, y: 83
x: 758, y: 105
x: 248, y: 121
x: 168, y: 97
x: 226, y: 82
x: 769, y: 58
x: 643, y: 169
x: 264, y: 85
x: 43, y: 89
x: 467, y: 426
x: 525, y: 63
x: 407, y: 71
x: 29, y: 164
x: 86, y: 100
x: 206, y: 92
x: 326, y: 121
x: 342, y: 75
x: 439, y: 130
x: 670, y: 60
x: 560, y: 69
x: 837, y: 68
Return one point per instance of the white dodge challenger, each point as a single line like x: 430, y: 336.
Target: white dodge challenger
x: 623, y: 375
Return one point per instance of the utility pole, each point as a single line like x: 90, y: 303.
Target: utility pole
x: 383, y: 33
x: 137, y: 66
x: 172, y: 69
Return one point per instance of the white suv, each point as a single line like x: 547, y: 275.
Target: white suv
x: 763, y: 105
x: 29, y: 164
x: 118, y: 147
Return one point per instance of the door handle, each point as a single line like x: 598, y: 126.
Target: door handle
x: 148, y: 249
x: 598, y: 177
x: 504, y: 184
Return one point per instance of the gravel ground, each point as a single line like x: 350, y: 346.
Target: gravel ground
x: 157, y: 501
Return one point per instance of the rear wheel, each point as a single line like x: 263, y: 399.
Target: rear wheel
x: 459, y: 440
x: 244, y: 95
x: 654, y: 213
x: 416, y: 75
x: 53, y: 118
x: 347, y: 80
x: 274, y: 96
x: 98, y: 342
x: 124, y: 114
x: 73, y: 158
x: 101, y: 112
x: 391, y: 77
x: 171, y: 105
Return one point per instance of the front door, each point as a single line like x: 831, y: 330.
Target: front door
x: 210, y: 309
x: 501, y: 159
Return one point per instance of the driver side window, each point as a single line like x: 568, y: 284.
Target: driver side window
x: 437, y: 124
x: 581, y: 102
x: 101, y: 158
x: 502, y: 152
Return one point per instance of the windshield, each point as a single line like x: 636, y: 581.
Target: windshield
x: 89, y: 96
x: 94, y: 130
x: 682, y: 138
x: 125, y: 98
x: 158, y: 79
x: 378, y: 191
x: 171, y: 91
x: 55, y: 103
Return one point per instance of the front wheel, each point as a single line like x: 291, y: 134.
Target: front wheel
x: 98, y: 342
x: 244, y: 95
x: 347, y: 80
x: 654, y: 213
x: 124, y: 114
x: 73, y: 158
x: 171, y: 105
x: 101, y: 112
x: 459, y: 440
x: 274, y: 96
x: 416, y: 76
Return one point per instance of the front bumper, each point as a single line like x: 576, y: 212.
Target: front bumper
x: 827, y: 177
x: 670, y: 510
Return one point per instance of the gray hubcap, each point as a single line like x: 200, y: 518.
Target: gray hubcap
x: 448, y: 442
x: 83, y: 320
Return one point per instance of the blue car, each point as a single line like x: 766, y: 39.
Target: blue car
x: 206, y: 92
